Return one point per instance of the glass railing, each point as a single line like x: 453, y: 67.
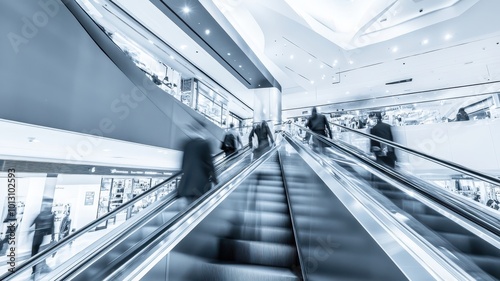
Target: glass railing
x: 469, y: 183
x: 52, y: 255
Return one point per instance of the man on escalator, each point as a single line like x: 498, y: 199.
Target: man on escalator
x: 385, y: 153
x: 318, y: 124
x: 197, y: 164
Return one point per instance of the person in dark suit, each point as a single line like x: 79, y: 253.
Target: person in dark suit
x: 319, y: 125
x: 264, y: 138
x: 44, y: 225
x: 462, y: 115
x: 197, y: 164
x: 384, y: 153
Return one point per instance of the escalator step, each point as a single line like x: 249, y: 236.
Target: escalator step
x: 264, y: 234
x: 265, y: 206
x: 257, y: 252
x: 255, y: 197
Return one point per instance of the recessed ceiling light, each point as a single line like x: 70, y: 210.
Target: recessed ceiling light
x: 310, y: 60
x: 207, y: 31
x: 291, y: 57
x: 250, y: 78
x: 387, y: 91
x: 425, y: 41
x: 351, y: 62
x: 151, y: 42
x: 312, y: 81
x: 183, y: 47
x: 448, y: 36
x: 239, y: 66
x: 335, y: 61
x: 321, y: 66
x: 186, y: 10
x: 307, y: 93
x: 347, y: 92
x: 228, y: 54
x: 395, y: 49
x: 172, y: 57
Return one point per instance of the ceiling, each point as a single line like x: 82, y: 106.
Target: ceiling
x: 342, y: 53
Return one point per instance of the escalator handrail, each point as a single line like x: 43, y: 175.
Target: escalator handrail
x: 183, y: 216
x: 42, y: 255
x: 459, y: 205
x: 439, y: 161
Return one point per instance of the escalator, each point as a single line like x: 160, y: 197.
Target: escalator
x: 470, y: 248
x: 252, y: 235
x: 249, y: 234
x: 280, y: 221
x: 76, y: 244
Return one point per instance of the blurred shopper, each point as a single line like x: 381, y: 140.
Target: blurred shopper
x: 44, y: 226
x: 384, y: 153
x: 197, y: 164
x: 232, y: 141
x: 318, y: 124
x: 264, y: 138
x: 65, y: 226
x: 462, y: 115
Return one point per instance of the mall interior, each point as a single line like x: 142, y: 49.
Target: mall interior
x: 99, y: 98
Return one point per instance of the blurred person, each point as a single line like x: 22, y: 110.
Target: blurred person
x: 384, y: 153
x: 264, y: 138
x: 318, y: 124
x: 65, y: 226
x: 44, y: 226
x: 232, y: 141
x: 197, y: 164
x: 462, y: 115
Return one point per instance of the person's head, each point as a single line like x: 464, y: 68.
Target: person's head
x: 314, y: 111
x: 461, y: 110
x: 231, y: 125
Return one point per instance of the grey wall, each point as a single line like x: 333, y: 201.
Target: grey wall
x: 53, y: 74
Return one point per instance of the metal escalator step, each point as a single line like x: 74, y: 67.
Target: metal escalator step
x: 263, y: 187
x: 257, y: 218
x: 257, y: 252
x: 244, y: 272
x: 264, y: 234
x: 255, y: 197
x: 265, y: 206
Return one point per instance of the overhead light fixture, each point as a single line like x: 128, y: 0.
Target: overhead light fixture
x: 321, y: 66
x: 335, y: 62
x: 312, y: 81
x: 351, y: 62
x: 172, y: 57
x: 228, y: 54
x: 425, y: 41
x: 186, y: 10
x: 291, y: 57
x: 239, y: 66
x: 448, y: 36
x: 310, y: 60
x: 207, y: 31
x: 183, y: 47
x: 395, y: 49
